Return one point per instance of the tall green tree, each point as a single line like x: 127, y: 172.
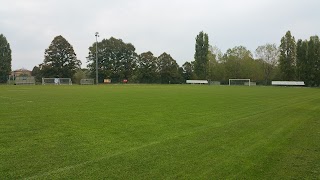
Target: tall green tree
x: 312, y: 64
x: 168, y: 69
x: 308, y: 61
x: 201, y: 55
x: 116, y: 60
x: 5, y: 59
x: 269, y: 54
x: 147, y: 68
x: 60, y: 60
x: 303, y: 66
x: 287, y: 61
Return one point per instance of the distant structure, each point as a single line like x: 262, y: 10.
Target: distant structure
x: 21, y: 72
x: 21, y: 76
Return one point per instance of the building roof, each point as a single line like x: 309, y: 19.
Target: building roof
x: 21, y: 70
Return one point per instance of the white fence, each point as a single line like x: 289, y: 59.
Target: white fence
x: 197, y: 82
x: 287, y: 83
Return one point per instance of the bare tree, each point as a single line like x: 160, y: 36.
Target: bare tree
x: 269, y: 54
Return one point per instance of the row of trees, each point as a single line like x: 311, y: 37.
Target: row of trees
x: 118, y: 60
x: 301, y: 60
x: 308, y: 61
x: 291, y: 61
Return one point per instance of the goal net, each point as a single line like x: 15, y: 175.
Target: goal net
x: 86, y: 81
x: 239, y: 82
x: 25, y: 80
x: 56, y: 81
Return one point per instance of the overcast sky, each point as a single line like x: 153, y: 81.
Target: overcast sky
x: 152, y: 25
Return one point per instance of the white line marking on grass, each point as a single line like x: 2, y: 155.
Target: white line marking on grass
x: 66, y: 168
x: 18, y: 90
x: 16, y: 100
x: 198, y: 129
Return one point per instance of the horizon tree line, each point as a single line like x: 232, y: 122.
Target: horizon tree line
x: 118, y: 60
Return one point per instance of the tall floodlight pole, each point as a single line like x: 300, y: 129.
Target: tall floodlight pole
x: 97, y: 35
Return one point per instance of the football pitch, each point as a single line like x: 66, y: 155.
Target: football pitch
x: 159, y: 132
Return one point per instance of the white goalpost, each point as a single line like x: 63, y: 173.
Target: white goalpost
x: 239, y: 82
x: 56, y: 81
x: 87, y: 82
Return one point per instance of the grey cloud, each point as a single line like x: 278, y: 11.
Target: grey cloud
x: 155, y: 25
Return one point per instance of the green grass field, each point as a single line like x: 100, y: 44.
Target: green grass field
x: 159, y: 132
